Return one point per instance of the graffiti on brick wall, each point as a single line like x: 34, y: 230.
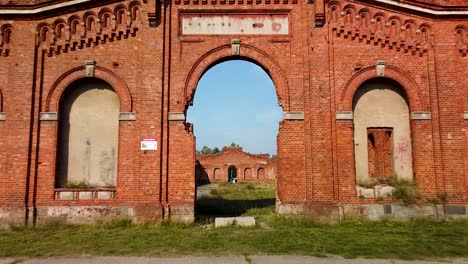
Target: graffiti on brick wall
x: 90, y: 30
x: 379, y: 28
x: 5, y: 39
x: 462, y: 42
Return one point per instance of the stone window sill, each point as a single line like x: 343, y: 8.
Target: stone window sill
x: 71, y: 194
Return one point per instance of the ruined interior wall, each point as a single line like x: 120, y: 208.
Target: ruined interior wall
x: 382, y: 107
x: 247, y: 166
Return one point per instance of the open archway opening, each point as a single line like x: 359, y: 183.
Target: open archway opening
x: 235, y: 117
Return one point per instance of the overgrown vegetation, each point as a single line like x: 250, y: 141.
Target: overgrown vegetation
x: 439, y: 198
x: 83, y: 185
x: 244, y: 190
x: 370, y: 183
x: 77, y: 185
x: 417, y: 239
x: 405, y: 190
x: 228, y: 199
x: 208, y: 151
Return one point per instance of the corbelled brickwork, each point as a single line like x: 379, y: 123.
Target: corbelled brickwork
x: 319, y: 54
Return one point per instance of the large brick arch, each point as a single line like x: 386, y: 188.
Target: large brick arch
x: 55, y: 94
x: 411, y: 89
x: 248, y: 53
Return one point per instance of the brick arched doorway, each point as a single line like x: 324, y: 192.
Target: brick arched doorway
x: 239, y: 171
x: 291, y: 143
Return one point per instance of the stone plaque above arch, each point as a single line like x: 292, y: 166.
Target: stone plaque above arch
x: 234, y: 24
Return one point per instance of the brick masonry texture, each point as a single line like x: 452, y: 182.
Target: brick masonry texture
x: 138, y: 48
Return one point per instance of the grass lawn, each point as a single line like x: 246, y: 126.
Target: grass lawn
x: 418, y: 239
x: 238, y: 199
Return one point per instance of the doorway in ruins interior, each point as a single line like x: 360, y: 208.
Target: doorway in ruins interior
x: 235, y: 107
x: 232, y: 174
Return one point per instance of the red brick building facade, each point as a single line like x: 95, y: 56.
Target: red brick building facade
x: 233, y: 162
x: 82, y: 82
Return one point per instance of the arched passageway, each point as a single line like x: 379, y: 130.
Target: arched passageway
x: 236, y: 101
x: 235, y: 110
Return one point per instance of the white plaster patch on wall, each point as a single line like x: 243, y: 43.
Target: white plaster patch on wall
x: 238, y: 24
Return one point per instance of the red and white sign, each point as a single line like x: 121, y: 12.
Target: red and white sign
x: 149, y: 144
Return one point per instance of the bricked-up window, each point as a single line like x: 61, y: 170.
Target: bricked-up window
x: 217, y: 174
x: 261, y: 173
x: 379, y: 151
x: 7, y: 36
x: 88, y: 135
x: 248, y: 173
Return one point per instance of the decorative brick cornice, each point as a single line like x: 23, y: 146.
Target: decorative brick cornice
x: 90, y: 30
x: 234, y: 2
x: 378, y: 28
x: 428, y: 8
x: 5, y: 37
x: 462, y: 39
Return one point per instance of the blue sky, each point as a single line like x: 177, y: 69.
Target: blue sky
x: 235, y: 101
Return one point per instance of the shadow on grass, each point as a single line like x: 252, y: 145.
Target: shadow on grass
x: 207, y: 208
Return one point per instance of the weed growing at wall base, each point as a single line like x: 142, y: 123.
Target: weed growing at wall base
x: 405, y: 190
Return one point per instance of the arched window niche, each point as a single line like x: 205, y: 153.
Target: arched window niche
x: 88, y: 135
x: 247, y: 174
x: 382, y: 134
x: 217, y: 174
x: 261, y: 173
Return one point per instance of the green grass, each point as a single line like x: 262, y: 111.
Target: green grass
x: 418, y: 239
x: 245, y: 191
x: 253, y: 199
